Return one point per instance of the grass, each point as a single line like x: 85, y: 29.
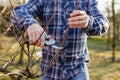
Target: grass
x: 101, y: 66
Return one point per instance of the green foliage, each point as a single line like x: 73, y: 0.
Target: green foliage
x: 1, y: 7
x: 4, y: 19
x: 4, y: 78
x: 100, y: 43
x: 2, y: 27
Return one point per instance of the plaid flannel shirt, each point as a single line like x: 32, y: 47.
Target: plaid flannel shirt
x: 75, y: 49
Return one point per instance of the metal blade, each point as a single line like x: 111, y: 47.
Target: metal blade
x: 50, y: 42
x: 56, y: 47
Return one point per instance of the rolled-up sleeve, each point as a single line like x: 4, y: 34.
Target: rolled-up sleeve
x: 23, y: 16
x: 98, y: 23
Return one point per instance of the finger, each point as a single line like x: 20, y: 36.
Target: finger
x: 37, y: 41
x: 30, y: 39
x: 77, y: 12
x: 77, y: 23
x: 76, y: 18
x: 42, y: 42
x: 34, y: 39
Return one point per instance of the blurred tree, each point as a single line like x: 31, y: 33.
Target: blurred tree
x: 24, y: 1
x: 117, y: 26
x: 108, y: 11
x: 4, y: 18
x: 114, y: 31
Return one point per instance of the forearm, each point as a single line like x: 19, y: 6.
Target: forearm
x: 97, y: 25
x: 23, y: 16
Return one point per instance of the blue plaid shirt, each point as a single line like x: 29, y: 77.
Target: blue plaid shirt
x: 75, y: 49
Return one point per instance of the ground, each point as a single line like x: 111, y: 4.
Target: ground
x: 101, y: 66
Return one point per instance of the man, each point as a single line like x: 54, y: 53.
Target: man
x: 83, y: 18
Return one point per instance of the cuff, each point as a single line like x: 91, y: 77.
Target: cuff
x: 29, y: 22
x: 90, y: 24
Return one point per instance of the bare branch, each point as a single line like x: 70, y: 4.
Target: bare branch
x: 4, y: 71
x: 27, y: 72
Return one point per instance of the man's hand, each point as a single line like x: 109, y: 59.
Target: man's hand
x: 34, y: 31
x: 78, y: 18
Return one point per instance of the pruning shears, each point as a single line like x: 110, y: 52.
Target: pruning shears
x: 49, y: 41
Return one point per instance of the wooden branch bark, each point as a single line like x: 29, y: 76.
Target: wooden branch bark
x: 3, y: 11
x: 114, y: 31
